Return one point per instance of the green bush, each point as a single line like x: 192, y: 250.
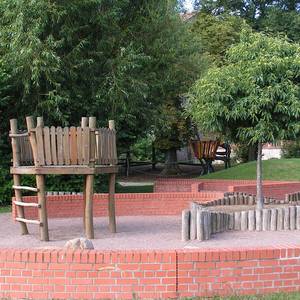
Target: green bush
x: 291, y: 149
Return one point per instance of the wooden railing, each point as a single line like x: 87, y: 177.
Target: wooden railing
x: 57, y: 146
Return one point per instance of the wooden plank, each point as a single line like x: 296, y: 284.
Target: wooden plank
x: 47, y: 146
x: 25, y: 204
x: 86, y: 145
x: 25, y: 188
x: 36, y: 222
x: 64, y: 170
x: 73, y: 145
x: 79, y: 145
x: 53, y: 145
x: 32, y: 137
x: 40, y: 146
x: 60, y: 154
x: 66, y: 143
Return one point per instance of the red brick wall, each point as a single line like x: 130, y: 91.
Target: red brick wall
x: 126, y: 204
x: 60, y: 274
x: 275, y: 189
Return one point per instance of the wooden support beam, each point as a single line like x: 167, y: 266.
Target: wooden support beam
x: 111, y: 203
x: 89, y: 192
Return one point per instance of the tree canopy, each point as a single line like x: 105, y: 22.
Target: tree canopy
x: 255, y: 96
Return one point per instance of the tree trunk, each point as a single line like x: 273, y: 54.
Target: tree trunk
x: 153, y: 160
x: 171, y: 164
x: 259, y: 194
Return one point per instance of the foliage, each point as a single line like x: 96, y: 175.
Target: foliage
x: 291, y: 149
x: 217, y: 34
x: 255, y: 96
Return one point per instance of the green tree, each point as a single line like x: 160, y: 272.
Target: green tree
x: 254, y: 97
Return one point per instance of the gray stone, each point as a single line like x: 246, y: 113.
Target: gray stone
x: 79, y: 243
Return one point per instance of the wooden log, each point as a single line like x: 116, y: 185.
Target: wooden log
x: 17, y: 178
x: 258, y: 219
x: 193, y: 220
x: 206, y: 225
x: 214, y: 222
x: 286, y: 219
x: 227, y: 201
x: 246, y: 199
x: 288, y: 198
x: 292, y: 217
x: 42, y: 211
x: 273, y: 221
x: 111, y: 203
x: 89, y: 193
x: 231, y: 221
x: 185, y: 225
x: 200, y: 225
x: 24, y: 221
x: 223, y: 201
x: 237, y: 220
x: 280, y: 217
x: 219, y: 222
x: 244, y: 220
x: 231, y: 200
x: 298, y: 217
x: 251, y: 220
x: 251, y: 200
x: 266, y: 216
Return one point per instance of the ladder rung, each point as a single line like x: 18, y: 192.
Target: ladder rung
x: 21, y: 203
x: 36, y: 222
x: 25, y: 188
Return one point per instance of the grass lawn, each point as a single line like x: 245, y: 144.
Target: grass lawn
x: 5, y: 209
x: 273, y: 169
x: 279, y: 296
x: 134, y: 189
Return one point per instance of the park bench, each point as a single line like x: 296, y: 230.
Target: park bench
x: 207, y: 152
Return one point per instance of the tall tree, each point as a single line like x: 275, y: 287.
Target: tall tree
x: 254, y: 97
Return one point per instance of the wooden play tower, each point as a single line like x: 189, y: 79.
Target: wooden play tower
x: 40, y: 150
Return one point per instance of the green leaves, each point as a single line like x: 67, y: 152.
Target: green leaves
x: 255, y: 96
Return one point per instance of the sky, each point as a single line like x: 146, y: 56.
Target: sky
x: 189, y: 5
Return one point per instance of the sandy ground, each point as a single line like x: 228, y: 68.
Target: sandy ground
x: 153, y: 232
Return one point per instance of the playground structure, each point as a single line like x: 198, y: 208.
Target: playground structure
x: 41, y: 150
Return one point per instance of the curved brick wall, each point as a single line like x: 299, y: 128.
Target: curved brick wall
x: 274, y: 189
x: 60, y: 274
x: 63, y: 206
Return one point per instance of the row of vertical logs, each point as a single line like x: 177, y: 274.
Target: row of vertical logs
x: 238, y: 198
x: 200, y: 223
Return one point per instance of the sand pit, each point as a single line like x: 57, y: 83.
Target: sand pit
x: 144, y: 232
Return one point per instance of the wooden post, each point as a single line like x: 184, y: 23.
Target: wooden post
x: 89, y: 194
x: 292, y: 217
x: 17, y: 178
x: 40, y: 121
x: 237, y: 220
x: 185, y: 225
x: 193, y: 221
x: 244, y: 220
x: 111, y: 196
x: 266, y: 219
x: 258, y: 219
x: 286, y: 219
x: 84, y: 123
x: 200, y: 225
x: 298, y: 217
x: 231, y: 221
x: 273, y: 225
x: 280, y: 214
x: 251, y: 220
x: 40, y: 184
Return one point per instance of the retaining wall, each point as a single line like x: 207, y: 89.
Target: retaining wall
x: 54, y: 274
x: 273, y: 189
x: 134, y: 204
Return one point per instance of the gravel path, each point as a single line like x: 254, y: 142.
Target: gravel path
x: 145, y: 232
